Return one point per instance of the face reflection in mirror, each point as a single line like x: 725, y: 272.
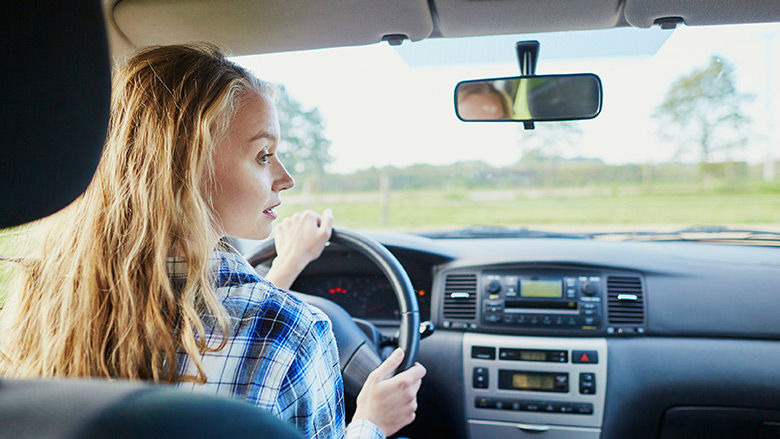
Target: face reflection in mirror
x: 542, y: 98
x: 482, y: 101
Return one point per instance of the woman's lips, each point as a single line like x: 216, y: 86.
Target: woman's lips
x: 270, y: 211
x: 270, y: 214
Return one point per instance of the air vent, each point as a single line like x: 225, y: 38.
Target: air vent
x: 626, y: 303
x: 460, y: 296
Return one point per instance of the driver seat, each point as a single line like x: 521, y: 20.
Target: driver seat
x: 54, y: 102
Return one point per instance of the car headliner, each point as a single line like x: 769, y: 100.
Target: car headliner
x: 258, y: 26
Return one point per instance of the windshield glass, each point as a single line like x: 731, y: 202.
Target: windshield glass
x: 687, y: 135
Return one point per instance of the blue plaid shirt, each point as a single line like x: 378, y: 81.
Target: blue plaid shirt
x: 281, y: 354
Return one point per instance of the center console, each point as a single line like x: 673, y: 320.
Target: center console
x: 546, y: 299
x: 519, y: 387
x: 534, y: 349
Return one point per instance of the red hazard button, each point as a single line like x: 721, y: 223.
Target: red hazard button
x: 591, y: 357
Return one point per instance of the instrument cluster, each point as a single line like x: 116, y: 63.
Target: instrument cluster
x: 363, y: 295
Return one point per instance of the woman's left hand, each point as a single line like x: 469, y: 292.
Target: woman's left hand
x: 299, y: 240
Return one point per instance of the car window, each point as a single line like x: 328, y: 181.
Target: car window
x: 687, y: 136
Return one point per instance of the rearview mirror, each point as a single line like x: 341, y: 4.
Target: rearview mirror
x: 529, y: 98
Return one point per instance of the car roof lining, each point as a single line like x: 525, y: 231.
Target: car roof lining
x: 245, y: 27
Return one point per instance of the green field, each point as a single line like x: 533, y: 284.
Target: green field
x: 600, y: 209
x: 596, y: 209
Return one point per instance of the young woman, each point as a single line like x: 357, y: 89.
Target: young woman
x: 129, y: 281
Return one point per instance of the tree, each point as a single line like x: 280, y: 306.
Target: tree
x: 304, y: 149
x: 547, y: 144
x: 550, y: 141
x: 703, y: 110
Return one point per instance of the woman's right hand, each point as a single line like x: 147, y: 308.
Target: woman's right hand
x: 388, y: 401
x: 299, y: 240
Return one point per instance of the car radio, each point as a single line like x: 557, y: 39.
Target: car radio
x: 542, y: 299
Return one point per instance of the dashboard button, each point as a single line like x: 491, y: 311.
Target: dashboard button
x: 584, y: 409
x: 560, y: 356
x: 533, y: 406
x: 566, y: 408
x: 509, y: 318
x: 546, y: 321
x: 480, y: 378
x: 588, y: 376
x: 587, y: 383
x: 492, y: 318
x: 587, y: 389
x: 549, y: 407
x: 493, y: 286
x: 483, y: 352
x: 590, y: 357
x: 517, y: 405
x: 481, y: 402
x: 590, y: 288
x: 561, y: 382
x: 534, y: 320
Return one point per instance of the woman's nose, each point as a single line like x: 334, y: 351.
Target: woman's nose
x: 283, y: 180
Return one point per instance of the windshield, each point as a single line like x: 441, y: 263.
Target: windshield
x: 687, y: 136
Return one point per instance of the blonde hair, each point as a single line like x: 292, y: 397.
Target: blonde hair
x: 95, y: 298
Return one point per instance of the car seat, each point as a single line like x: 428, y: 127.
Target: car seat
x: 54, y: 102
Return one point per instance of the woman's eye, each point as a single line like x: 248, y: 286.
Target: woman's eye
x: 262, y: 158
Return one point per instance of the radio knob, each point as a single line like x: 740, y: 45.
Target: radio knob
x: 590, y: 288
x: 493, y: 286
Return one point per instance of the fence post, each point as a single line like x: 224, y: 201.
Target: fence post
x: 384, y: 197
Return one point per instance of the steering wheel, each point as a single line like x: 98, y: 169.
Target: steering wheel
x: 357, y: 353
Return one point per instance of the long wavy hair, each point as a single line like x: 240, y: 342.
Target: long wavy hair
x: 94, y: 298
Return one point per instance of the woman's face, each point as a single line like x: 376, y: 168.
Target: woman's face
x: 481, y: 106
x: 248, y: 173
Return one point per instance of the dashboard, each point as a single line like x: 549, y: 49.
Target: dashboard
x: 678, y: 337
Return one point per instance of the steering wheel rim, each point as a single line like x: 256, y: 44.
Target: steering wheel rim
x: 361, y: 359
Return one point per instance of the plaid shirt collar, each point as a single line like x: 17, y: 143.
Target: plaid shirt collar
x: 228, y: 269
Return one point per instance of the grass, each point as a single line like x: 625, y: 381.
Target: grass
x: 602, y: 208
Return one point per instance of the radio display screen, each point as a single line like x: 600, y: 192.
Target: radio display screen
x: 533, y: 381
x: 544, y: 288
x: 533, y: 355
x: 527, y: 381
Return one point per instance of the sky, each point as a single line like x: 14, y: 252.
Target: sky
x: 386, y: 105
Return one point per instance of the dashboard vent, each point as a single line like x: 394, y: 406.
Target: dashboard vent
x: 626, y: 303
x: 460, y: 296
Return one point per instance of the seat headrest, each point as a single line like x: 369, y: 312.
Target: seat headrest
x: 54, y: 104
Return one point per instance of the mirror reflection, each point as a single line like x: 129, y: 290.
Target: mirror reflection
x: 529, y: 98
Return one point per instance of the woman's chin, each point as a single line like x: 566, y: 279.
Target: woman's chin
x: 262, y: 231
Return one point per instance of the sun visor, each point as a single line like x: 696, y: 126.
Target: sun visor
x: 463, y: 18
x: 259, y: 26
x: 644, y: 13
